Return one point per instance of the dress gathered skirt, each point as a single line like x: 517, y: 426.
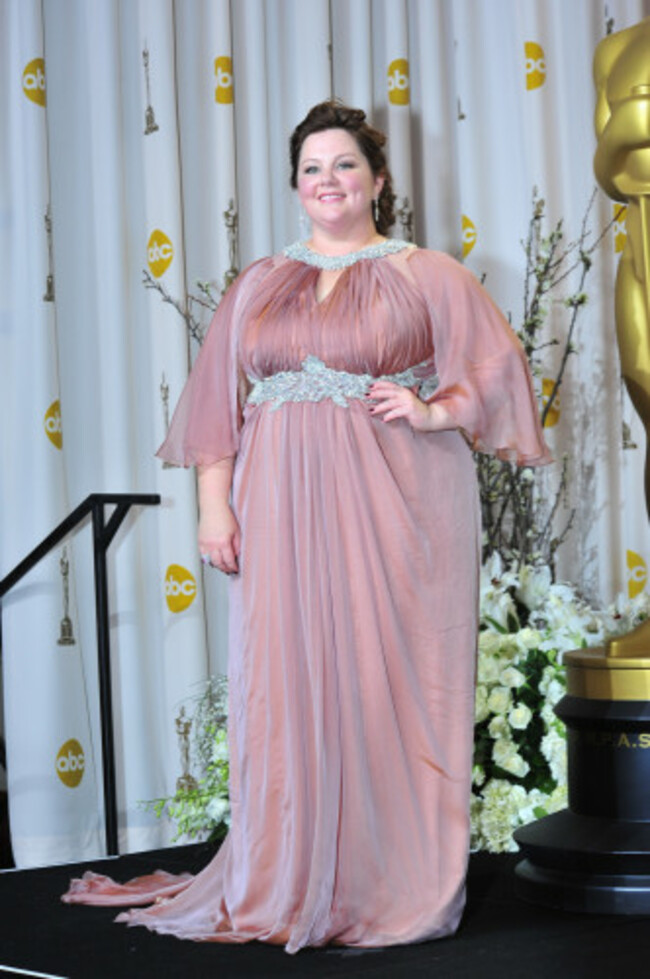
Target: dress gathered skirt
x: 353, y: 619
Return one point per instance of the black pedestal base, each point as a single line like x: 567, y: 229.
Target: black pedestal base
x: 584, y: 863
x: 590, y: 893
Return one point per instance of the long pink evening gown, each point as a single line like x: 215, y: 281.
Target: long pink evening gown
x: 354, y: 616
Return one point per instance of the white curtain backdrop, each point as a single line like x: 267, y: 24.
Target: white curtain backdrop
x: 151, y: 136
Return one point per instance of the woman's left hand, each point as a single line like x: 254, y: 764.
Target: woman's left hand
x: 394, y: 401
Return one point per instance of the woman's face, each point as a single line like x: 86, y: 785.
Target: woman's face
x: 335, y: 183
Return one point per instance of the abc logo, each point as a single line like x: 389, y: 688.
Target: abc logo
x: 620, y: 227
x: 636, y: 579
x: 553, y: 416
x: 224, y: 93
x: 180, y: 588
x: 398, y: 82
x: 34, y: 81
x: 70, y: 763
x: 535, y: 65
x: 469, y: 235
x: 160, y: 253
x: 52, y: 424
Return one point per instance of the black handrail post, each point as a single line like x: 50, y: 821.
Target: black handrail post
x: 105, y: 682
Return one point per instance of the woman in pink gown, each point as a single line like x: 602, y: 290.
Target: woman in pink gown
x: 337, y: 487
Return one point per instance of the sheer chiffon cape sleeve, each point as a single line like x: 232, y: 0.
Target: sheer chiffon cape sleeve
x: 207, y: 419
x: 484, y: 377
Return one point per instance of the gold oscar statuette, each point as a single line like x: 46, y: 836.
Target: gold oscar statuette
x: 48, y: 296
x: 593, y: 856
x: 66, y: 635
x: 231, y: 221
x: 404, y: 215
x: 150, y: 124
x: 622, y: 168
x: 185, y: 782
x: 164, y: 397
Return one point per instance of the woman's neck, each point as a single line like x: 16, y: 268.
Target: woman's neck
x: 330, y: 244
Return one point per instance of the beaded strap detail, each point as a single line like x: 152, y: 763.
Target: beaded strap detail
x: 315, y: 381
x: 301, y: 253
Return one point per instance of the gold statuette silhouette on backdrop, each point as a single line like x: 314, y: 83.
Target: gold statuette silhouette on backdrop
x: 622, y: 168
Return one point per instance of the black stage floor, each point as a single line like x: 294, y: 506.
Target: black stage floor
x: 501, y: 937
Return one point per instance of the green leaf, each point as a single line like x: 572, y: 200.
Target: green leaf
x: 495, y: 625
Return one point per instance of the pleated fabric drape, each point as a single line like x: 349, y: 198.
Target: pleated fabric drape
x: 147, y: 139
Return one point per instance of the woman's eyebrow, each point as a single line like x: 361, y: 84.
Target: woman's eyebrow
x: 317, y: 159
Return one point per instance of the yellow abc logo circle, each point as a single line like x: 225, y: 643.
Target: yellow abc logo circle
x: 469, y: 234
x: 34, y: 81
x: 180, y: 588
x: 224, y: 93
x: 52, y: 424
x: 638, y: 574
x: 160, y: 252
x: 620, y: 227
x: 553, y: 415
x: 535, y: 65
x: 70, y: 763
x: 398, y: 82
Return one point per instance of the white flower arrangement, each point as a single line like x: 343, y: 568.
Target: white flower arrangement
x: 527, y: 623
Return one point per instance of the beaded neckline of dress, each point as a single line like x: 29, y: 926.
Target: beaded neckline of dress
x: 301, y: 253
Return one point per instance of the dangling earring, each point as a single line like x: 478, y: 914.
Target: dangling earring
x: 304, y: 223
x: 375, y: 210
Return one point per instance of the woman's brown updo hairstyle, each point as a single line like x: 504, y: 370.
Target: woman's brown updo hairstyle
x: 335, y: 115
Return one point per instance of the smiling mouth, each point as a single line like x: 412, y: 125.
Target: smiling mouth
x: 331, y: 197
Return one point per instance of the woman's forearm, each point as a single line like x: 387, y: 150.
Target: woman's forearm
x: 215, y: 482
x: 219, y: 533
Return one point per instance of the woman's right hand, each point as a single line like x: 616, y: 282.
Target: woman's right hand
x: 220, y: 538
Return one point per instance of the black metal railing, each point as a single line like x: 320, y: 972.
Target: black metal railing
x: 103, y: 533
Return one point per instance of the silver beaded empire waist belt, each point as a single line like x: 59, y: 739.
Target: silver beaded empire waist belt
x: 315, y: 381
